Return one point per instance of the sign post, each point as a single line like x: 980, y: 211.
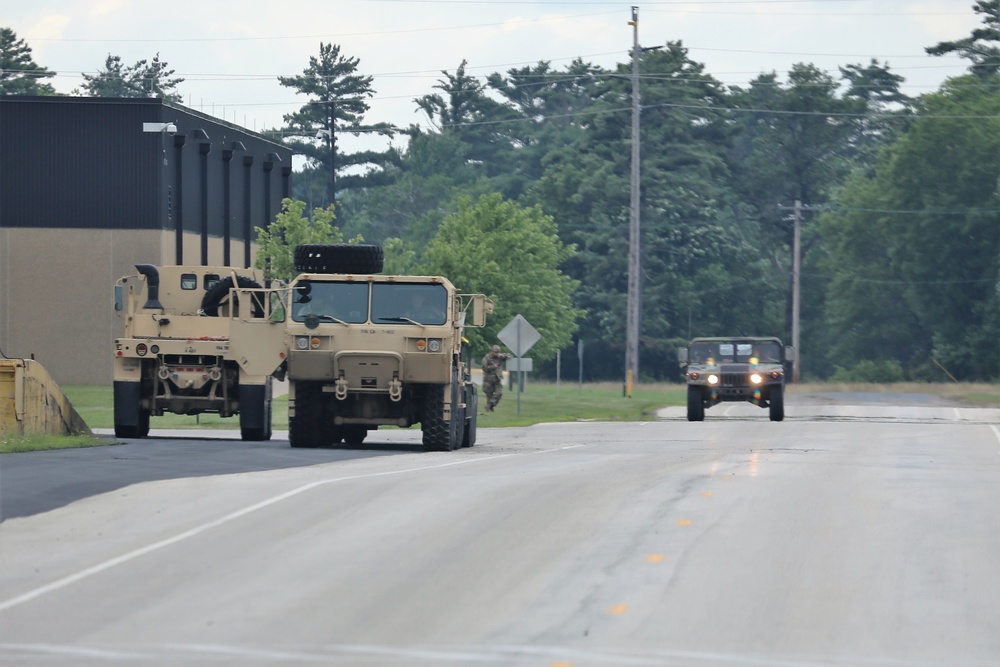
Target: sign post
x: 519, y: 336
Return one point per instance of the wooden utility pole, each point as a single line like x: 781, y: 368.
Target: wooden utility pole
x: 796, y: 279
x: 634, y: 290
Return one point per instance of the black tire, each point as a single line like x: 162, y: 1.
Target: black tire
x: 304, y: 429
x: 255, y: 412
x: 354, y: 434
x: 437, y: 431
x: 695, y: 404
x: 131, y: 419
x: 339, y: 258
x: 215, y: 294
x: 471, y: 415
x: 776, y: 403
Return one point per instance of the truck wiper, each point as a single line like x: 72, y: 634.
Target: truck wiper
x: 331, y: 318
x: 401, y: 319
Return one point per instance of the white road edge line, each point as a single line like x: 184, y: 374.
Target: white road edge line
x: 996, y: 431
x: 197, y: 530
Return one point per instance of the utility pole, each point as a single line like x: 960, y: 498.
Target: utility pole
x: 634, y: 290
x: 796, y: 279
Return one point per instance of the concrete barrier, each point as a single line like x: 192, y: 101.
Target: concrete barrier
x: 32, y: 403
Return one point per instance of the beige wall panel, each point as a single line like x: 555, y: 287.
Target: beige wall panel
x: 57, y: 296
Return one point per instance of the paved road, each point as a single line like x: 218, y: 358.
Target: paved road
x: 846, y: 535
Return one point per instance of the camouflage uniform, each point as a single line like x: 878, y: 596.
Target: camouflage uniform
x: 493, y: 376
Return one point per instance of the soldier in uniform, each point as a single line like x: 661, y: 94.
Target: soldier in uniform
x: 493, y: 376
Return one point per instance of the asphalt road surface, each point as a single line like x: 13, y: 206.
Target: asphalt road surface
x: 863, y: 534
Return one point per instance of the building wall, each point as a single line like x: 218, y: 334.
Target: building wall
x: 56, y: 293
x: 85, y: 194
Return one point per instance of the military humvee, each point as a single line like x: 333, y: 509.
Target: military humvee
x: 175, y: 355
x: 735, y: 369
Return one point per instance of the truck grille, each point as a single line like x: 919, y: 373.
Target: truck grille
x: 735, y: 379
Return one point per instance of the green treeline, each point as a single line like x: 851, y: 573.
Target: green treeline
x: 900, y: 272
x: 521, y: 191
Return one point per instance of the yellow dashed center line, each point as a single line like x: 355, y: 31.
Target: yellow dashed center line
x: 618, y: 609
x: 654, y: 558
x: 706, y: 494
x: 684, y: 522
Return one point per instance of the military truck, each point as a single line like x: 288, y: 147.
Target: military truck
x: 175, y: 355
x: 366, y: 350
x: 735, y: 369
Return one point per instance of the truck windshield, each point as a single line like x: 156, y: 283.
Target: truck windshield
x: 736, y: 351
x: 344, y: 302
x: 409, y: 303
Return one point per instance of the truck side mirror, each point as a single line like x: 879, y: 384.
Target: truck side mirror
x: 682, y: 356
x: 789, y: 353
x: 119, y: 299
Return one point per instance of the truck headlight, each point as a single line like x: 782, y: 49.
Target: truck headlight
x: 434, y: 345
x: 713, y: 379
x: 302, y: 342
x: 755, y: 378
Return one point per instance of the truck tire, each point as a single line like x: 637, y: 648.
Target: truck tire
x: 438, y: 433
x: 304, y: 429
x: 354, y: 434
x: 338, y: 258
x: 255, y: 411
x: 471, y: 414
x: 218, y: 292
x: 131, y: 419
x: 695, y: 404
x: 776, y: 403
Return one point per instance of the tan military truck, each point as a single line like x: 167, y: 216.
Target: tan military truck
x: 366, y: 350
x: 739, y: 369
x: 175, y: 355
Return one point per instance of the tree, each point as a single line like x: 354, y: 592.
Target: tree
x: 143, y: 79
x: 512, y: 254
x: 979, y: 47
x: 914, y: 246
x: 338, y: 105
x: 19, y: 74
x: 291, y: 227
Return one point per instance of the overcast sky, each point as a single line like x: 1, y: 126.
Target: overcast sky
x: 230, y: 51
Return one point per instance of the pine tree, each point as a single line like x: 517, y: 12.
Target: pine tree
x: 19, y: 74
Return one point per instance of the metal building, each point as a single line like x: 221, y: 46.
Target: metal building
x: 89, y: 187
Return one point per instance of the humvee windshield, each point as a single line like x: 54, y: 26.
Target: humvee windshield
x: 395, y: 303
x: 735, y: 352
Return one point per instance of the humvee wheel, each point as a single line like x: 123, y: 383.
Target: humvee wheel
x: 338, y: 258
x: 777, y: 403
x: 695, y: 404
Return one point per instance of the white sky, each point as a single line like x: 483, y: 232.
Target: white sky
x: 230, y: 51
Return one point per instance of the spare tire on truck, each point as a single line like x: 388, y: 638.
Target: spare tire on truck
x: 220, y: 290
x: 338, y: 258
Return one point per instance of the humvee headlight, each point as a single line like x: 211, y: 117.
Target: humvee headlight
x: 713, y: 379
x: 434, y: 345
x: 302, y: 342
x: 140, y: 349
x: 755, y: 378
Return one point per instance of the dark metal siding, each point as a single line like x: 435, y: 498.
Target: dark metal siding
x: 69, y: 162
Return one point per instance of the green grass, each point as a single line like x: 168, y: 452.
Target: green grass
x: 37, y: 443
x: 540, y: 402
